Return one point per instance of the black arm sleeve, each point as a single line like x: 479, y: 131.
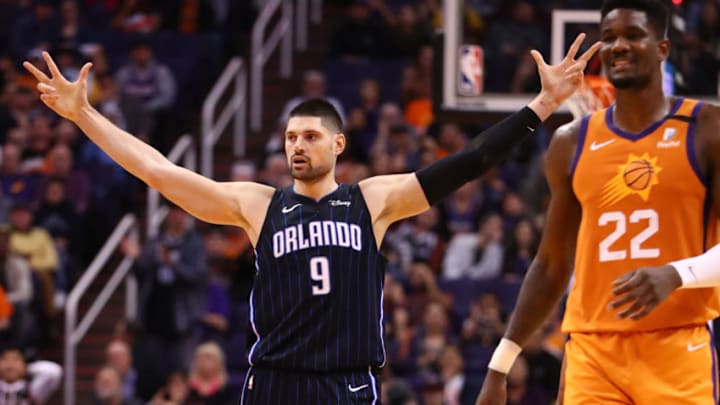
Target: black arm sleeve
x: 486, y: 150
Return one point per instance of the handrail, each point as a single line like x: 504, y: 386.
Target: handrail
x: 262, y: 49
x: 155, y: 212
x: 316, y: 12
x: 212, y: 128
x: 301, y: 25
x: 74, y: 333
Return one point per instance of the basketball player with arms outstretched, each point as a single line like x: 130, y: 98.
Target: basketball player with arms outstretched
x: 316, y: 306
x: 631, y: 186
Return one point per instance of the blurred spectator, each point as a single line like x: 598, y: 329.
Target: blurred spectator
x: 35, y: 244
x: 399, y: 339
x: 59, y: 165
x: 136, y: 16
x: 208, y: 377
x: 478, y: 255
x: 417, y: 239
x: 451, y: 372
x: 401, y: 148
x: 486, y: 323
x: 508, y: 42
x: 408, y: 32
x: 544, y: 367
x: 430, y: 341
x: 276, y: 172
x: 153, y: 83
x: 416, y: 88
x: 22, y: 383
x: 217, y: 310
x: 313, y: 86
x: 520, y: 250
x: 174, y: 392
x: 461, y: 211
x: 108, y: 389
x: 20, y: 102
x: 357, y: 36
x: 450, y: 139
x: 703, y: 48
x: 73, y: 27
x: 40, y: 138
x: 16, y: 280
x: 16, y: 185
x: 520, y: 389
x: 422, y: 290
x: 397, y: 392
x: 38, y: 28
x: 513, y: 210
x: 172, y: 276
x: 119, y: 356
x: 188, y: 16
x: 6, y: 313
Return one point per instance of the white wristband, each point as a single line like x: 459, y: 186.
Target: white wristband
x: 700, y: 271
x: 504, y: 356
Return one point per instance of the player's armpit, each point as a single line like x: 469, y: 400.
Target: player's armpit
x: 240, y: 204
x: 392, y: 198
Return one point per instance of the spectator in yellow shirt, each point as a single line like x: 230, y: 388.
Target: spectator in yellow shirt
x: 35, y: 244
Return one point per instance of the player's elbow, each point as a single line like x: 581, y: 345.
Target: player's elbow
x: 157, y: 175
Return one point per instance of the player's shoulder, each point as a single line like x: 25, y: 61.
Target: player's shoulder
x: 708, y: 124
x: 569, y: 132
x: 709, y: 116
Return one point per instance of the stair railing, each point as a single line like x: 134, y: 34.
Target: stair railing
x: 234, y: 75
x: 127, y: 227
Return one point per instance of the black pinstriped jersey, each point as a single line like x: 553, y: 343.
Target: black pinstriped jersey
x: 316, y: 304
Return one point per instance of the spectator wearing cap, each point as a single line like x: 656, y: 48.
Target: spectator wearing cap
x: 16, y: 280
x: 34, y: 243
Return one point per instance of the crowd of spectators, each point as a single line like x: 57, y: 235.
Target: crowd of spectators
x: 453, y: 272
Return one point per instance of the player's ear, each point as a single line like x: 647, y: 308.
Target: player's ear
x: 663, y: 48
x: 339, y: 143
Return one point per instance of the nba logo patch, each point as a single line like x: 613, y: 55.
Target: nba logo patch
x: 470, y: 66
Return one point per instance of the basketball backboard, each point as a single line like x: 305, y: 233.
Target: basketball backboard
x: 450, y: 47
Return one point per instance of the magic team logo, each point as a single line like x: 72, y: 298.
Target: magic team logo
x: 636, y: 176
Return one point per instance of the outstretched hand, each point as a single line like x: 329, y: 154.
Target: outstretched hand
x: 560, y: 81
x: 62, y: 96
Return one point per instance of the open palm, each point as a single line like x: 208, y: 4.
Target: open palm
x: 62, y: 96
x: 560, y: 81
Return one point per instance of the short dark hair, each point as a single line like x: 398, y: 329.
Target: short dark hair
x: 658, y: 14
x: 318, y: 107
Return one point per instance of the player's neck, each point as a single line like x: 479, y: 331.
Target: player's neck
x: 316, y: 189
x: 637, y: 109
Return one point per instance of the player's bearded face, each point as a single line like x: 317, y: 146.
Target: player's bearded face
x: 309, y: 148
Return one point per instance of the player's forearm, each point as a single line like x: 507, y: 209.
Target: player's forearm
x: 540, y: 293
x: 133, y: 155
x: 486, y: 150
